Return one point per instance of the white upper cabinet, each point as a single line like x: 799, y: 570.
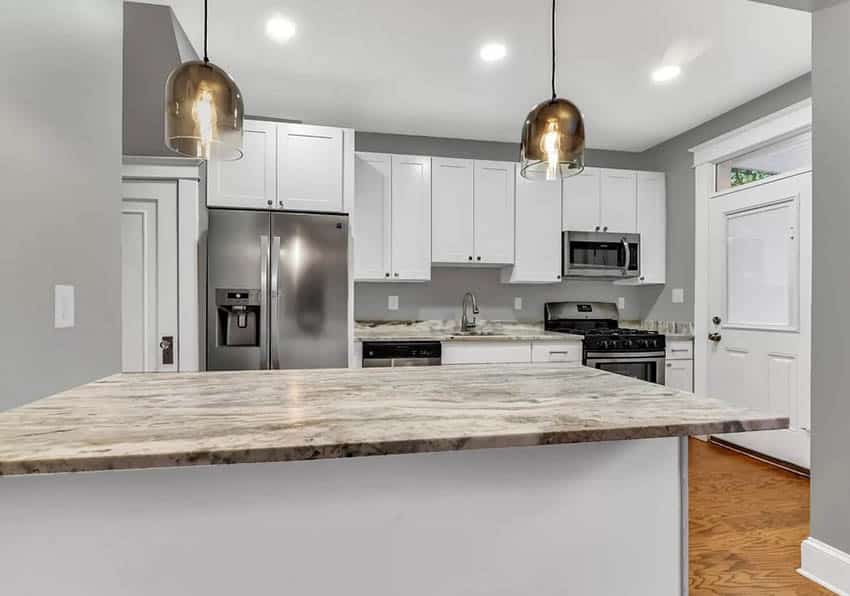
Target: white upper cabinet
x: 371, y: 218
x: 250, y: 182
x: 618, y: 205
x: 652, y: 227
x: 601, y: 200
x: 309, y: 168
x: 494, y: 211
x: 581, y: 201
x: 411, y: 218
x: 538, y: 233
x: 452, y: 210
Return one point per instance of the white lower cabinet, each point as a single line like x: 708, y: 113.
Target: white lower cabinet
x: 679, y: 368
x: 507, y: 352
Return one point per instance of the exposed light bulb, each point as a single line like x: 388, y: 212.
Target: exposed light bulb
x: 551, y: 148
x: 204, y: 114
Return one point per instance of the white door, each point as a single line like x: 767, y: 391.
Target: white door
x: 452, y: 210
x: 250, y: 182
x: 759, y: 304
x: 309, y: 168
x: 371, y: 218
x: 618, y: 210
x: 581, y: 194
x: 494, y: 212
x: 679, y: 374
x: 411, y: 218
x: 149, y: 277
x: 538, y: 232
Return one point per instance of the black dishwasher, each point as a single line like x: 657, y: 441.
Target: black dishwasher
x: 401, y: 353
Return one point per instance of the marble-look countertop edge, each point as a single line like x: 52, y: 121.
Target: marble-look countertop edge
x: 285, y: 454
x: 553, y: 337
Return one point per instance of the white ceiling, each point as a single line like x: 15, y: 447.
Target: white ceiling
x: 412, y: 66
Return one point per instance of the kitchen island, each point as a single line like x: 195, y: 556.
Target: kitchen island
x: 509, y: 479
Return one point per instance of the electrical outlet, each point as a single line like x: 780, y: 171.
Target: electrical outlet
x: 678, y: 295
x: 63, y: 306
x: 392, y: 302
x: 517, y: 303
x: 621, y: 303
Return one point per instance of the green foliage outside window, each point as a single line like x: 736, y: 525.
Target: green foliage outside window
x: 739, y: 176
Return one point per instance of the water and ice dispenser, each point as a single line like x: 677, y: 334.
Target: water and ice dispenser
x: 238, y: 317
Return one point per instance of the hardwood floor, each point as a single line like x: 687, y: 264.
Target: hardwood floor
x: 747, y: 520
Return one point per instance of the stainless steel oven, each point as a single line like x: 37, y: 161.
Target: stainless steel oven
x: 647, y: 366
x: 601, y: 254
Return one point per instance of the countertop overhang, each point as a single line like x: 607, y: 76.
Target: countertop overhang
x: 161, y: 420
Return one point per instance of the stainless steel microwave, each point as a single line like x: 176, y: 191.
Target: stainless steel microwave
x: 601, y: 254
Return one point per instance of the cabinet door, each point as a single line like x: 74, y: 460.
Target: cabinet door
x: 371, y: 218
x: 618, y: 211
x: 494, y: 212
x: 581, y: 201
x: 451, y: 209
x: 538, y: 232
x: 679, y: 374
x: 250, y: 182
x: 309, y: 168
x: 652, y: 226
x: 411, y: 218
x: 486, y: 352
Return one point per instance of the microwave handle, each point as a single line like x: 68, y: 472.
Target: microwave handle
x: 628, y: 257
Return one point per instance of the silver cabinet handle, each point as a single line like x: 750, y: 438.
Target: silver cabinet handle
x: 628, y: 256
x: 275, y: 307
x: 679, y: 350
x: 264, y: 302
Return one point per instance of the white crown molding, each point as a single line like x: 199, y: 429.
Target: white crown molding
x: 787, y: 121
x: 825, y: 565
x: 157, y: 167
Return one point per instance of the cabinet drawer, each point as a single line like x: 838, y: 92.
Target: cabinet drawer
x: 680, y: 349
x: 545, y: 351
x: 486, y: 352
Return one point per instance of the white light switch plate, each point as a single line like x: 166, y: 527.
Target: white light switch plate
x: 621, y: 303
x: 63, y: 306
x: 517, y: 303
x: 678, y: 295
x: 392, y: 302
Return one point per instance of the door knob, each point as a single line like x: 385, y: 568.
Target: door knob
x: 167, y: 347
x: 715, y: 337
x: 716, y: 320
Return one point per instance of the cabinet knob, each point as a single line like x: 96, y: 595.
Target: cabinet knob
x: 396, y: 274
x: 597, y: 228
x: 280, y: 203
x: 669, y: 365
x: 387, y: 274
x: 642, y: 278
x: 478, y: 258
x: 269, y: 202
x: 559, y: 277
x: 470, y: 258
x: 605, y: 229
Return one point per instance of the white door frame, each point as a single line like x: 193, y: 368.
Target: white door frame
x: 187, y: 173
x: 794, y: 119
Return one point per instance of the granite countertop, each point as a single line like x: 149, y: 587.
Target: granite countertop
x: 450, y: 331
x: 182, y: 419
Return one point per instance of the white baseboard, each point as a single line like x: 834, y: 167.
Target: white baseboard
x: 825, y: 565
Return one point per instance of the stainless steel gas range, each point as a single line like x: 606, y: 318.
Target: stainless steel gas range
x: 631, y: 352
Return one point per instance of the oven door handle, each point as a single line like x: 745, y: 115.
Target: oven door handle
x: 628, y: 256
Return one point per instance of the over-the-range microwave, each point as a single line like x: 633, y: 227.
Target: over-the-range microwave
x: 601, y: 255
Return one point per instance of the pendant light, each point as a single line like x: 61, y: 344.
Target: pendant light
x: 552, y: 146
x: 203, y: 110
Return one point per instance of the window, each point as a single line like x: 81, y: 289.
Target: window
x: 787, y: 155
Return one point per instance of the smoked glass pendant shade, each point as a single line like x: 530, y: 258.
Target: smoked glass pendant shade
x: 552, y: 146
x: 203, y: 112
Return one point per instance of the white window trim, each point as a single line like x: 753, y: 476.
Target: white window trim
x: 787, y: 122
x: 188, y: 173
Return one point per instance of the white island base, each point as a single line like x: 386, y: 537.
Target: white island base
x: 585, y: 519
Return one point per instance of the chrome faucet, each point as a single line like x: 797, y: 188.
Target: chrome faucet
x: 465, y: 323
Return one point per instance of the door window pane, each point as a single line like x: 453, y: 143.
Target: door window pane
x: 787, y: 155
x: 762, y: 266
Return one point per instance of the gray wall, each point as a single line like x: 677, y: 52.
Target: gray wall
x: 674, y: 158
x: 440, y: 298
x: 154, y: 43
x: 61, y: 121
x: 830, y: 502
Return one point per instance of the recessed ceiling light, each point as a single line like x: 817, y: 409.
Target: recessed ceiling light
x: 280, y: 29
x: 490, y: 52
x: 666, y: 73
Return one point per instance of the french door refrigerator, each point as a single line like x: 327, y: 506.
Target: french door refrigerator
x: 277, y: 290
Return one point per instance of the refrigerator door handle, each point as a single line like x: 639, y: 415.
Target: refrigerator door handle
x: 264, y: 302
x: 275, y: 306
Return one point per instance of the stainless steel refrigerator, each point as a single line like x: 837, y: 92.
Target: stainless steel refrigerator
x: 277, y: 290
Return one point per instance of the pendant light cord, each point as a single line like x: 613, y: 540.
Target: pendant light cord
x: 553, y: 49
x: 207, y: 59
